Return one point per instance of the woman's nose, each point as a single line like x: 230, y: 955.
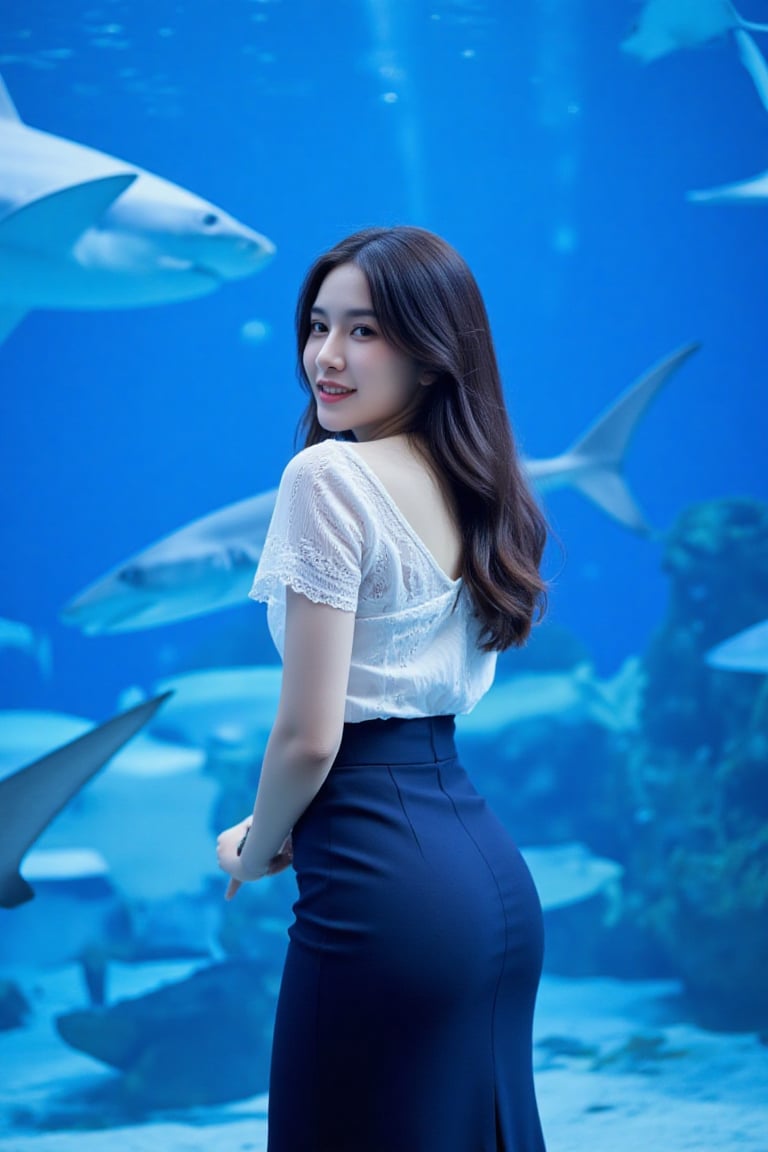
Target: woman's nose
x: 330, y: 354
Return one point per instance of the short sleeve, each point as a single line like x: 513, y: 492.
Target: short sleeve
x: 314, y: 541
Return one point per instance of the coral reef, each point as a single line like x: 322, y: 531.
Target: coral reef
x: 698, y: 855
x: 680, y: 800
x: 716, y: 557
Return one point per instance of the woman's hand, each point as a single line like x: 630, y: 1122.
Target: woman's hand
x: 229, y: 851
x: 229, y: 846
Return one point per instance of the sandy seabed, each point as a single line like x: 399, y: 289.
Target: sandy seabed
x: 617, y: 1067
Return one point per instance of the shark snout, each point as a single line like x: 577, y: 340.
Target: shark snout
x: 258, y: 247
x: 238, y: 255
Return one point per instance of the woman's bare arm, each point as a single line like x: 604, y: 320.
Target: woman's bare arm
x: 305, y: 736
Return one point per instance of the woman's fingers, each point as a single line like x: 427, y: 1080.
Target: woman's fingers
x: 232, y: 888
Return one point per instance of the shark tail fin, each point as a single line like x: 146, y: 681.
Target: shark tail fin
x: 603, y: 446
x: 610, y: 492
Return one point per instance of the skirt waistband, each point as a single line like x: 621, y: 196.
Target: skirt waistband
x: 420, y: 740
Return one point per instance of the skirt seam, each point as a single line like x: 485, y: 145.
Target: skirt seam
x: 503, y: 965
x: 404, y: 810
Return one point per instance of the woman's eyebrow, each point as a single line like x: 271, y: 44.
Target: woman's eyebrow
x: 350, y: 312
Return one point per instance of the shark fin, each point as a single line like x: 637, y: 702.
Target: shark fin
x: 33, y: 796
x: 54, y: 222
x: 752, y: 191
x: 750, y: 24
x: 9, y: 319
x: 607, y: 439
x: 7, y: 106
x: 754, y: 62
x: 755, y: 188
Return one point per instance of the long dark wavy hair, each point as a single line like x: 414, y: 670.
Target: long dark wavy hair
x: 428, y: 305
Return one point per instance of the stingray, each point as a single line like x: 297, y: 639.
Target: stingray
x: 33, y: 796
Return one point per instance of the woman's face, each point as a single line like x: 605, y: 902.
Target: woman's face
x: 360, y: 382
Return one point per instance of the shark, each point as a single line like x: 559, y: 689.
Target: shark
x: 666, y: 26
x: 755, y: 188
x: 82, y: 229
x: 569, y: 873
x: 31, y: 797
x: 200, y: 568
x: 221, y: 708
x: 575, y: 696
x: 209, y: 564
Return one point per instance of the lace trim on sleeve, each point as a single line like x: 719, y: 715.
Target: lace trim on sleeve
x: 286, y: 569
x: 314, y: 542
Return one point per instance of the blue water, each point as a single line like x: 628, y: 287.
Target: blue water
x: 557, y: 164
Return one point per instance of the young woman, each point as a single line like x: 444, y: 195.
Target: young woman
x: 403, y: 554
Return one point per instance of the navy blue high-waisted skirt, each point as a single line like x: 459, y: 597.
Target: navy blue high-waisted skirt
x: 406, y: 1006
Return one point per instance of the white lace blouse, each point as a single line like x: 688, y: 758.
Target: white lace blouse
x: 337, y: 537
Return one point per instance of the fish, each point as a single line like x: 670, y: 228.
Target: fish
x: 80, y: 916
x: 75, y: 917
x: 747, y: 651
x: 35, y: 794
x: 566, y: 874
x: 14, y: 634
x: 550, y: 696
x: 154, y: 1040
x: 572, y: 696
x: 666, y: 26
x: 209, y: 564
x: 755, y: 188
x: 83, y: 229
x: 221, y: 708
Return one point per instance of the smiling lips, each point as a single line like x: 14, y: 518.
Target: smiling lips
x: 329, y: 393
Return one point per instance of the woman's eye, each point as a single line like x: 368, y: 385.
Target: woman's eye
x: 317, y: 327
x: 363, y: 330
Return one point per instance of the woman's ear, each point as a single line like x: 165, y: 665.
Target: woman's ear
x: 427, y: 378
